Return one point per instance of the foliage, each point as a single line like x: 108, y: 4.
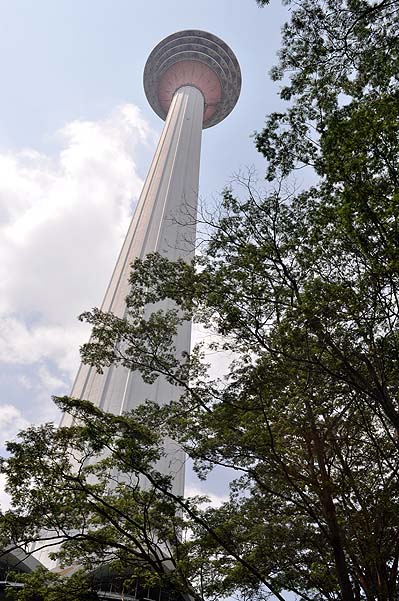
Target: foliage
x: 43, y: 585
x: 333, y: 52
x: 94, y: 488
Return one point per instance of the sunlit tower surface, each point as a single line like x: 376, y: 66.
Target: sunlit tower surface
x: 192, y: 80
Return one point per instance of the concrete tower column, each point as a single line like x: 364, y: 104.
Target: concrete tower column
x: 192, y: 80
x: 164, y: 222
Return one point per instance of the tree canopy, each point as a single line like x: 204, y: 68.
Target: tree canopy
x: 301, y: 285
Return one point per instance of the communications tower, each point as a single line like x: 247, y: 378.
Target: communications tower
x: 192, y: 80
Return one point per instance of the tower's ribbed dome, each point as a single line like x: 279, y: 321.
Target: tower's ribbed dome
x: 196, y: 58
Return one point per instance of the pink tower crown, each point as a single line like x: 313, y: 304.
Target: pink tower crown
x: 193, y: 58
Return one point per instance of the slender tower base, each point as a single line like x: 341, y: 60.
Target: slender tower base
x: 163, y: 222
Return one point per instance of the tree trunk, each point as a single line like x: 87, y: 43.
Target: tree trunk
x: 332, y: 522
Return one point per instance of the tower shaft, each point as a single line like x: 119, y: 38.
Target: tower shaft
x: 163, y: 222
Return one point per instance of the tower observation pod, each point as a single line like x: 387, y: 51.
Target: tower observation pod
x: 192, y: 80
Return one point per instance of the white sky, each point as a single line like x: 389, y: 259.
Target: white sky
x: 76, y: 138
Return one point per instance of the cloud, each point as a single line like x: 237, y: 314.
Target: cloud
x: 4, y: 497
x: 214, y: 500
x: 62, y: 223
x: 11, y: 422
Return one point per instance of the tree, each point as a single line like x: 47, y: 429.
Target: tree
x: 67, y: 488
x: 43, y: 585
x: 302, y: 286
